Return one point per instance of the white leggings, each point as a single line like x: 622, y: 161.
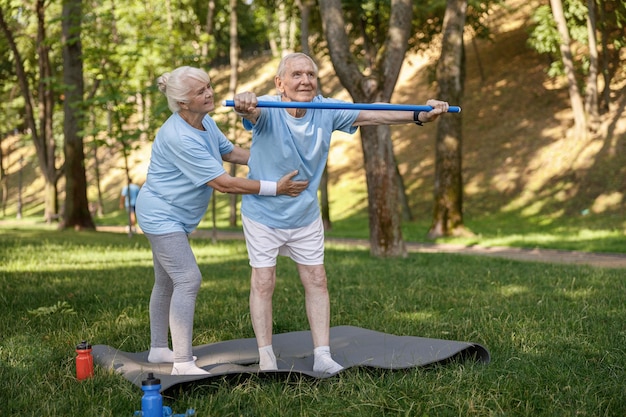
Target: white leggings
x: 177, y: 281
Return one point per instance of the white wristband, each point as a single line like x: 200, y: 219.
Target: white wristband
x: 267, y: 188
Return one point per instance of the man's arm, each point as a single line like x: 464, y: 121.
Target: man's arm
x: 394, y: 117
x: 245, y: 106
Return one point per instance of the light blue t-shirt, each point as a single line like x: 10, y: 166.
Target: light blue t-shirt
x: 175, y: 196
x: 282, y: 143
x: 131, y: 191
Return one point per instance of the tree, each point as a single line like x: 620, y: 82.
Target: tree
x: 125, y: 46
x: 375, y: 85
x: 305, y: 16
x: 591, y: 93
x: 612, y: 28
x: 448, y: 198
x: 76, y: 213
x: 4, y: 188
x: 580, y: 125
x: 281, y: 27
x: 566, y: 31
x: 121, y: 65
x: 232, y: 89
x: 38, y: 109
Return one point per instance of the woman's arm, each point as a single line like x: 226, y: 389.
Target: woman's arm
x: 237, y: 156
x: 236, y: 185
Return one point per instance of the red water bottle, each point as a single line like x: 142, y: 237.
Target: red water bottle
x: 84, y: 361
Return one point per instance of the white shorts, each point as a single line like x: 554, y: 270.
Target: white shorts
x: 304, y: 245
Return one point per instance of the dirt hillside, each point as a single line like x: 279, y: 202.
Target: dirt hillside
x: 517, y: 154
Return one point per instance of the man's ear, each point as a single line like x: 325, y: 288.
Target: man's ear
x: 279, y: 84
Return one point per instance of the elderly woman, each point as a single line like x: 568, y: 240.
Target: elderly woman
x: 185, y: 167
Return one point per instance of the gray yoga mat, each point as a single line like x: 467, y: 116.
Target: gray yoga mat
x: 350, y: 346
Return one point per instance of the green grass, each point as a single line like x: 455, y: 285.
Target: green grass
x: 556, y: 333
x: 589, y: 233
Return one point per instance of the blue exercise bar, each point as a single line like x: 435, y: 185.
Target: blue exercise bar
x: 343, y: 106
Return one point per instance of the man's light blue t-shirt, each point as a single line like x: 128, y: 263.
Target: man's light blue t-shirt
x: 130, y: 191
x: 282, y: 143
x: 175, y: 196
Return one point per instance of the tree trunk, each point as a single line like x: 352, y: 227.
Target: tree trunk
x: 283, y: 29
x: 606, y: 91
x: 232, y: 89
x: 324, y: 200
x: 96, y: 209
x: 76, y: 213
x: 380, y: 169
x: 305, y: 14
x: 293, y: 30
x: 591, y: 92
x: 404, y: 201
x: 214, y: 217
x: 580, y: 125
x: 210, y: 17
x: 41, y: 132
x: 125, y: 152
x: 448, y: 192
x: 96, y: 167
x: 98, y: 206
x: 3, y: 181
x: 46, y: 106
x: 382, y: 185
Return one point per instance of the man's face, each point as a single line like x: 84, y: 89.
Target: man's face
x: 299, y: 82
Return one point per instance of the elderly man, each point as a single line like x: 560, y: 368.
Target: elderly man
x: 285, y: 139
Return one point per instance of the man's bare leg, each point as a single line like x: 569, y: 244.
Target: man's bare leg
x: 262, y: 286
x: 317, y: 301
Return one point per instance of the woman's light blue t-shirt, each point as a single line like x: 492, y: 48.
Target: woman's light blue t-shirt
x: 282, y: 143
x: 175, y: 196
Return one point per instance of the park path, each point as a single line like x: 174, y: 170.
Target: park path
x: 603, y: 260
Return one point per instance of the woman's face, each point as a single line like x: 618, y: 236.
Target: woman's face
x: 201, y: 97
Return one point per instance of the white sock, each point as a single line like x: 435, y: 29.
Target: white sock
x: 267, y: 359
x: 162, y: 355
x: 323, y: 362
x: 187, y: 368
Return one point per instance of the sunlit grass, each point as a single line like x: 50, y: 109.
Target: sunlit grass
x: 591, y: 234
x: 583, y: 240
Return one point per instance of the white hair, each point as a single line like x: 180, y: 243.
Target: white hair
x: 175, y: 85
x: 280, y: 73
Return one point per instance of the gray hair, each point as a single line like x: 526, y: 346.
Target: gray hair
x: 280, y: 73
x: 175, y: 85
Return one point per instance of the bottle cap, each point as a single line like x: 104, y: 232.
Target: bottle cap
x: 151, y: 380
x: 83, y: 345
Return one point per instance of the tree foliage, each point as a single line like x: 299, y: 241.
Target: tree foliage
x: 127, y: 44
x: 544, y: 36
x: 545, y: 39
x: 567, y: 31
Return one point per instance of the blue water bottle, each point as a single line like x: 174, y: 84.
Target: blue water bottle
x: 151, y: 402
